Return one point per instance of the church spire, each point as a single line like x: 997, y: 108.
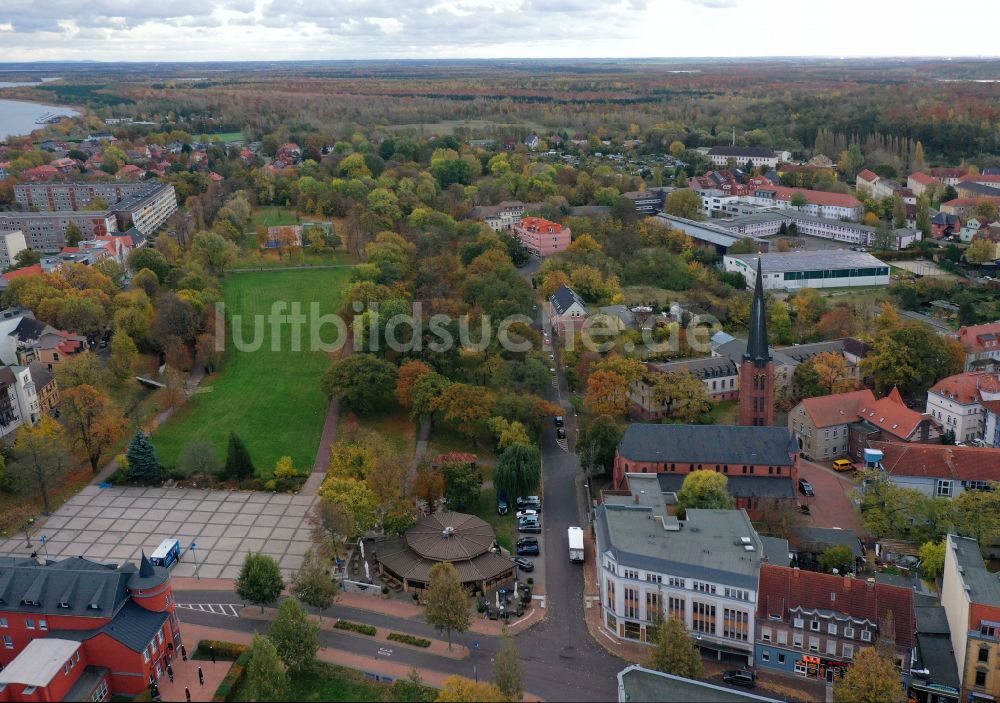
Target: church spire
x: 757, y: 349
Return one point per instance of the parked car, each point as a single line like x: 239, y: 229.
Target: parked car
x: 533, y: 528
x: 806, y: 488
x: 502, y: 507
x: 559, y: 421
x: 740, y: 677
x: 532, y: 502
x: 528, y: 548
x: 525, y: 564
x: 527, y: 512
x: 842, y: 465
x: 561, y: 432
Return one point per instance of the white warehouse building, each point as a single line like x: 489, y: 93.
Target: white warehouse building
x: 810, y: 269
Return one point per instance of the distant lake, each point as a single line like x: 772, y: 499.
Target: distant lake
x: 18, y: 117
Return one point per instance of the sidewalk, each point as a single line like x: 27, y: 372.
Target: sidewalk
x: 186, y: 675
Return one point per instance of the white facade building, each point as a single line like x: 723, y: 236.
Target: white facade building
x: 767, y: 222
x: 758, y: 156
x: 957, y: 403
x: 11, y: 244
x: 810, y: 269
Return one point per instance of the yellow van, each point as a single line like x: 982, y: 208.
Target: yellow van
x: 842, y: 465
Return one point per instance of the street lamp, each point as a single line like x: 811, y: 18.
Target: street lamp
x: 27, y: 538
x: 194, y: 555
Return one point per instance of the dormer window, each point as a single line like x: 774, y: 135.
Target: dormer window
x: 63, y: 604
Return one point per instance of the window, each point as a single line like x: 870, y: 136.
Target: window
x: 944, y: 487
x: 814, y: 644
x: 866, y: 636
x: 632, y: 630
x: 145, y: 654
x: 703, y: 587
x: 612, y: 624
x: 800, y: 667
x: 848, y: 651
x: 631, y: 602
x: 848, y: 632
x: 735, y: 624
x: 765, y: 634
x: 984, y: 655
x: 814, y: 625
x: 652, y: 604
x: 675, y: 582
x: 831, y: 646
x: 3, y: 622
x: 782, y: 637
x: 981, y: 678
x: 610, y: 603
x: 631, y: 574
x: 29, y: 624
x: 737, y: 593
x: 797, y: 640
x: 675, y: 608
x: 765, y: 656
x: 797, y: 622
x: 8, y: 642
x: 101, y: 694
x: 43, y: 624
x: 654, y: 578
x: 781, y: 658
x: 703, y: 617
x: 831, y: 629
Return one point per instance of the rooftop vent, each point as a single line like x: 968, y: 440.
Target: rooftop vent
x: 748, y: 547
x: 448, y: 532
x: 746, y: 540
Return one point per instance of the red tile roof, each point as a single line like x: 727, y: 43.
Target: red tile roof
x: 969, y: 336
x: 34, y: 270
x: 963, y: 202
x: 538, y: 224
x: 867, y: 175
x: 964, y: 388
x: 837, y: 409
x: 925, y: 179
x: 889, y: 414
x: 815, y: 197
x: 940, y: 461
x: 947, y: 172
x: 783, y: 588
x: 980, y: 179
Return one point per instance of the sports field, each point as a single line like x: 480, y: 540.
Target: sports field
x: 269, y: 397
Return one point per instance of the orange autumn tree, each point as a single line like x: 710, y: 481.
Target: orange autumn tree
x: 607, y: 393
x: 93, y: 423
x: 409, y: 373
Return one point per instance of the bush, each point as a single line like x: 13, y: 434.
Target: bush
x: 234, y: 678
x: 361, y: 629
x: 409, y: 639
x: 228, y: 651
x: 385, y: 590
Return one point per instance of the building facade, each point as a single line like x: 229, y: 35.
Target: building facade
x: 740, y: 155
x: 957, y: 403
x: 809, y: 269
x: 542, y: 237
x: 11, y: 244
x: 812, y: 624
x: 46, y: 231
x: 767, y: 222
x: 981, y: 344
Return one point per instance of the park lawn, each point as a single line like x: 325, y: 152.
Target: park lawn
x: 723, y: 412
x: 224, y: 137
x: 273, y: 216
x: 394, y: 425
x: 271, y: 399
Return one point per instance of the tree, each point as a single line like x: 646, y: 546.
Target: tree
x: 684, y: 203
x: 26, y: 257
x: 518, y: 472
x: 356, y: 497
x: 981, y: 251
x: 598, y: 443
x: 260, y: 580
x: 851, y: 161
x: 198, y: 457
x: 84, y: 315
x: 839, y: 557
x: 266, y: 675
x: 508, y: 432
x: 976, y: 513
x: 607, y: 393
x: 682, y: 393
x: 312, y: 583
x: 214, y: 251
x: 986, y: 210
x: 147, y: 281
x: 332, y: 525
x: 360, y: 381
x: 408, y: 375
x: 898, y: 212
x: 932, y: 559
x: 924, y: 215
x: 507, y: 674
x: 94, y: 424
x: 799, y: 200
x: 823, y: 374
x: 40, y: 455
x: 124, y: 355
x: 899, y: 513
x: 883, y: 239
x: 458, y: 689
x: 149, y: 258
x: 466, y: 406
x: 704, y: 489
x: 295, y: 636
x: 872, y: 679
x: 428, y: 486
x: 80, y: 369
x: 746, y: 245
x: 239, y: 465
x: 73, y: 234
x: 463, y: 484
x: 912, y: 357
x: 143, y: 466
x: 446, y: 600
x: 674, y: 650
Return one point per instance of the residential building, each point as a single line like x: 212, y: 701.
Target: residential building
x: 756, y: 367
x: 944, y: 224
x: 817, y: 202
x: 719, y: 374
x: 732, y: 181
x: 146, y: 210
x: 919, y: 182
x: 865, y: 181
x: 51, y: 197
x: 963, y: 207
x: 740, y: 155
x: 637, y: 684
x: 949, y: 176
x: 502, y: 216
x: 568, y: 311
x: 46, y: 231
x: 937, y: 470
x: 823, y: 426
x: 762, y: 452
x: 809, y: 269
x: 46, y: 386
x: 970, y: 595
x: 991, y: 423
x: 121, y: 617
x: 813, y: 624
x: 764, y: 222
x: 956, y: 402
x: 11, y: 244
x: 981, y: 344
x: 542, y: 237
x: 701, y: 570
x: 647, y: 202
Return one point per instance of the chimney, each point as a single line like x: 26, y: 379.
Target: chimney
x: 847, y: 583
x: 871, y: 583
x: 636, y: 496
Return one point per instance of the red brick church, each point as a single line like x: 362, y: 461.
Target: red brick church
x: 83, y: 631
x: 756, y: 369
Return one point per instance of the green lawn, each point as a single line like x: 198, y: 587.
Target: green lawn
x: 224, y: 137
x: 504, y: 526
x: 326, y: 682
x: 272, y: 399
x: 273, y: 216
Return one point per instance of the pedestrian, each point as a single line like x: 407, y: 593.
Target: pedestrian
x: 170, y: 673
x: 184, y: 653
x: 187, y: 694
x: 201, y: 676
x: 211, y: 653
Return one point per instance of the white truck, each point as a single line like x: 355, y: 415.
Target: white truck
x: 575, y: 535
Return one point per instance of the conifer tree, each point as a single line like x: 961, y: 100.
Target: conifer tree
x: 143, y: 466
x: 239, y: 465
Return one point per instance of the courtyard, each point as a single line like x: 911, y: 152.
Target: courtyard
x: 115, y: 524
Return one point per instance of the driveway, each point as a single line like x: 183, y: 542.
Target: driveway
x: 832, y: 506
x: 117, y: 523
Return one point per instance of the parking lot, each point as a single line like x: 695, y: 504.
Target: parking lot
x: 115, y: 524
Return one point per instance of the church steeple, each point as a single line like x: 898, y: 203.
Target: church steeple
x: 757, y: 348
x: 756, y: 371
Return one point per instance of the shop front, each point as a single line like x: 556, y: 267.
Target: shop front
x: 821, y: 668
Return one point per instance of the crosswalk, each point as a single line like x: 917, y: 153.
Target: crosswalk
x: 563, y: 444
x: 231, y: 610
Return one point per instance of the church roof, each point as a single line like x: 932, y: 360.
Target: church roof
x: 757, y: 349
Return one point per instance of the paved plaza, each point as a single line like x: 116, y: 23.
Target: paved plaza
x: 115, y: 524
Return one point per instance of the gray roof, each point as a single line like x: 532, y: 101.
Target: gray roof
x: 703, y: 231
x: 134, y: 627
x: 776, y: 550
x: 85, y: 685
x: 758, y: 350
x: 40, y: 375
x: 39, y: 662
x: 781, y: 262
x: 707, y: 546
x: 564, y: 297
x: 739, y: 486
x: 637, y: 684
x: 984, y: 587
x: 978, y: 188
x: 819, y: 539
x: 707, y: 444
x: 931, y: 620
x: 88, y: 589
x: 785, y: 356
x: 935, y: 653
x: 744, y: 151
x: 706, y: 367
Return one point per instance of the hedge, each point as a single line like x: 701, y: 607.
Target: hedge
x: 234, y: 679
x: 356, y: 627
x: 229, y: 651
x: 409, y: 639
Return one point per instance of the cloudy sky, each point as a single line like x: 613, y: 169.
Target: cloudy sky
x: 194, y: 30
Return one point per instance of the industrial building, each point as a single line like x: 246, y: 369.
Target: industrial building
x: 810, y: 269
